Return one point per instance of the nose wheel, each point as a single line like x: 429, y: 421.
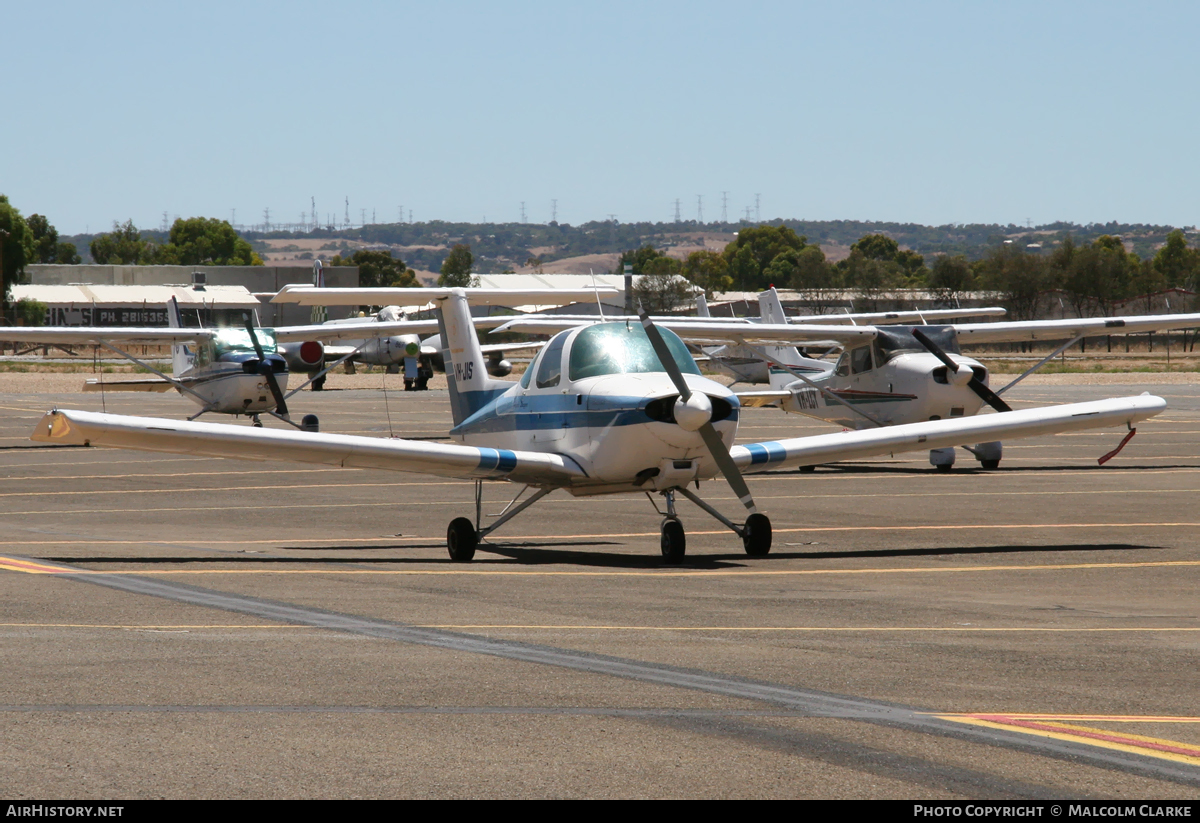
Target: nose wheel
x: 674, y: 542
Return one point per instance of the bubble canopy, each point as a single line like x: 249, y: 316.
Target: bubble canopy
x: 623, y: 348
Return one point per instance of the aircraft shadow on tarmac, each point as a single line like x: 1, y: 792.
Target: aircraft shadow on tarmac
x: 965, y: 469
x: 543, y: 554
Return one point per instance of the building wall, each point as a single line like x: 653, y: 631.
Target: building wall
x: 258, y: 279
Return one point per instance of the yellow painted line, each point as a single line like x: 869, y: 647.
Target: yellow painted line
x: 1134, y: 744
x: 367, y: 484
x: 1099, y: 718
x: 608, y: 628
x: 184, y: 627
x: 24, y: 566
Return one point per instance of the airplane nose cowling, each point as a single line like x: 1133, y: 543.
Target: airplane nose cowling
x: 694, y: 413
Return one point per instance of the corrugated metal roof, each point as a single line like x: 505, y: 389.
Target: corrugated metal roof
x: 88, y: 294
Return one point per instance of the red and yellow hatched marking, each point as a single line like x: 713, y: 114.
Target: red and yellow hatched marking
x: 1058, y: 727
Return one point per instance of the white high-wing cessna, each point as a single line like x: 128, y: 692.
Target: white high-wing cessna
x: 604, y: 409
x: 886, y: 375
x: 245, y: 370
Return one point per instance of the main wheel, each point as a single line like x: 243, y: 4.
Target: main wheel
x: 461, y: 540
x: 310, y: 423
x: 990, y: 464
x: 756, y: 535
x: 319, y: 383
x: 674, y: 543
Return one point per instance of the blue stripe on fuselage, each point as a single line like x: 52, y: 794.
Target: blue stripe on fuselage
x: 558, y: 411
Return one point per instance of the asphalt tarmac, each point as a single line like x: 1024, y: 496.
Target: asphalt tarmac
x: 184, y: 627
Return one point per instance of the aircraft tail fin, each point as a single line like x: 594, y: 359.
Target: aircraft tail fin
x: 702, y: 306
x: 471, y: 387
x: 182, y: 357
x: 770, y: 310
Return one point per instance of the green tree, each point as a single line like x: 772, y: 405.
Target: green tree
x: 456, y: 270
x: 379, y: 269
x: 643, y: 260
x: 1178, y: 264
x: 950, y: 277
x: 46, y: 247
x: 659, y: 292
x: 16, y: 247
x: 708, y: 270
x: 753, y: 251
x: 122, y: 246
x: 31, y: 312
x: 1018, y: 278
x: 886, y: 250
x: 205, y: 241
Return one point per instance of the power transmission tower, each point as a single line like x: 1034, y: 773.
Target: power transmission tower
x: 364, y: 217
x: 233, y: 217
x: 164, y: 226
x: 700, y: 209
x: 678, y: 218
x: 267, y: 219
x: 314, y: 211
x: 346, y: 224
x: 757, y: 208
x: 401, y: 210
x: 553, y: 211
x: 724, y: 207
x: 522, y: 211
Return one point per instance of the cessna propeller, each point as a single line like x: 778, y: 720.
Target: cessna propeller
x: 961, y: 372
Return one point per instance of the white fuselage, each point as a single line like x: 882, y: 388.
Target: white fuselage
x: 908, y: 388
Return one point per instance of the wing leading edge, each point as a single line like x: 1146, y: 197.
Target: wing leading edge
x: 348, y: 451
x: 938, y: 434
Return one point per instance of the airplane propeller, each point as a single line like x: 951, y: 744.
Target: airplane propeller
x: 265, y: 370
x: 693, y: 412
x: 976, y: 385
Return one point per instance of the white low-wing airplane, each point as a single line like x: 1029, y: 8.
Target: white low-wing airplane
x: 887, y: 375
x: 604, y: 409
x: 245, y: 370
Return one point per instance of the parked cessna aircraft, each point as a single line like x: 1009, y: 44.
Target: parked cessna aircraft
x: 748, y: 366
x: 242, y: 370
x: 604, y: 409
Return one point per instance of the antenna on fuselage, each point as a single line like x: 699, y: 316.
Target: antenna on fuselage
x: 599, y: 305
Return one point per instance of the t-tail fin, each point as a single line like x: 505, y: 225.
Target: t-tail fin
x: 182, y: 356
x: 770, y: 310
x: 471, y: 387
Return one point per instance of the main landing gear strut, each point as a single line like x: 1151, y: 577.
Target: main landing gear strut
x: 463, y: 535
x: 755, y: 532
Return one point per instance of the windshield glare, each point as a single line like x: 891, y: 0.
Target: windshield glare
x: 623, y: 348
x: 234, y: 339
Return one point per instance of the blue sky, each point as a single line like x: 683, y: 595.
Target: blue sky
x: 924, y: 112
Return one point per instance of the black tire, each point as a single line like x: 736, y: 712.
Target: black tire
x: 756, y: 535
x: 990, y: 464
x: 319, y: 383
x: 310, y: 423
x: 461, y: 540
x: 944, y: 467
x: 674, y: 542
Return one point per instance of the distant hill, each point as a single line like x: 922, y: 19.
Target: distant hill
x: 561, y: 247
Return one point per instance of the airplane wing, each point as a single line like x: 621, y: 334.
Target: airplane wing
x: 715, y: 331
x: 349, y: 451
x: 888, y: 318
x: 1066, y: 329
x: 85, y: 335
x: 367, y: 328
x: 306, y: 295
x: 938, y: 434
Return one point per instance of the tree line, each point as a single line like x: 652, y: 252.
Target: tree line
x: 1095, y: 278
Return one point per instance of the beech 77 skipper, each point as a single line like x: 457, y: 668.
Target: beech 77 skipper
x: 610, y: 408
